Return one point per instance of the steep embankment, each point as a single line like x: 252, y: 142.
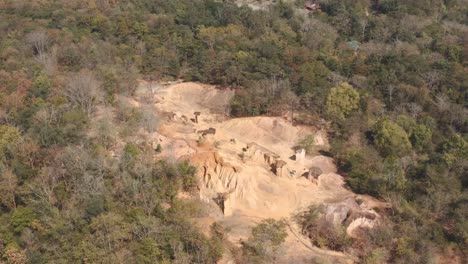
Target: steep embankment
x: 248, y: 166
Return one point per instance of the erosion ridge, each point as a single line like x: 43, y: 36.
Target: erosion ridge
x: 248, y: 167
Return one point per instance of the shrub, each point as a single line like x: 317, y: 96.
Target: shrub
x: 41, y: 86
x: 390, y: 138
x: 21, y: 218
x: 265, y: 241
x: 95, y: 206
x: 321, y: 232
x: 420, y: 137
x: 307, y: 143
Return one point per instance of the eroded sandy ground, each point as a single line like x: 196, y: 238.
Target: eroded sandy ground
x: 249, y: 163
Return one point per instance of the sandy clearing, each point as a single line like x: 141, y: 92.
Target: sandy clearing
x: 236, y: 162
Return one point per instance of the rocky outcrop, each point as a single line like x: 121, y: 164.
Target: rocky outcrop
x: 361, y: 222
x: 218, y: 174
x: 196, y: 114
x: 209, y: 131
x: 270, y: 158
x: 220, y: 200
x: 255, y: 152
x: 219, y: 180
x: 277, y: 167
x: 350, y: 214
x: 300, y: 154
x: 313, y: 174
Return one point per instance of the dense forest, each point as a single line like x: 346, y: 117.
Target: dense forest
x: 389, y: 77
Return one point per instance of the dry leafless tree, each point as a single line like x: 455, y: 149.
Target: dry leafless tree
x: 83, y: 92
x: 39, y: 41
x: 48, y: 60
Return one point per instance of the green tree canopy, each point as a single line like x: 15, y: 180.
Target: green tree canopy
x: 390, y: 138
x: 8, y: 136
x: 342, y: 101
x: 420, y: 136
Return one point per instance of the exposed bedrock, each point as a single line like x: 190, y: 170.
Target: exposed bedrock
x: 349, y: 214
x: 278, y: 167
x: 313, y: 174
x: 258, y: 153
x: 255, y: 152
x: 220, y: 181
x: 218, y: 174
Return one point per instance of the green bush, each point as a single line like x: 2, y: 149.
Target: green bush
x: 421, y: 137
x: 41, y: 86
x: 390, y: 138
x: 8, y: 136
x: 21, y: 218
x: 307, y: 143
x: 266, y: 238
x: 342, y: 101
x: 95, y: 206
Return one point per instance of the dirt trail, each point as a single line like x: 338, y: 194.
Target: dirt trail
x: 250, y: 161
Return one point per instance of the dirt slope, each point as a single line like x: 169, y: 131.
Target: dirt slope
x: 248, y: 164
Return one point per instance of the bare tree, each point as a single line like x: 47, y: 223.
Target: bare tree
x: 82, y: 91
x: 336, y: 79
x: 318, y: 35
x: 390, y: 90
x: 432, y: 79
x: 48, y: 60
x: 8, y: 186
x: 442, y: 102
x: 48, y: 115
x: 43, y: 191
x: 39, y: 41
x: 457, y: 115
x: 82, y: 173
x: 364, y: 23
x: 149, y: 120
x: 91, y: 185
x: 106, y: 132
x: 414, y: 109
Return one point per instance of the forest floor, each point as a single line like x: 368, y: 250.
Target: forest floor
x: 234, y: 162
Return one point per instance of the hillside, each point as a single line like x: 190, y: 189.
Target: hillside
x: 202, y: 131
x: 237, y: 161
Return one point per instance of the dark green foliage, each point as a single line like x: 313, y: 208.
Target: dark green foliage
x: 131, y: 151
x: 362, y: 164
x: 95, y: 206
x: 158, y: 148
x: 117, y: 219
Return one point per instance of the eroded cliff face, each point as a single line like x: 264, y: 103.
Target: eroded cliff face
x: 215, y: 174
x: 248, y: 167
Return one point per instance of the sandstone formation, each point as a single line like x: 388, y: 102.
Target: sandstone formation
x: 245, y: 167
